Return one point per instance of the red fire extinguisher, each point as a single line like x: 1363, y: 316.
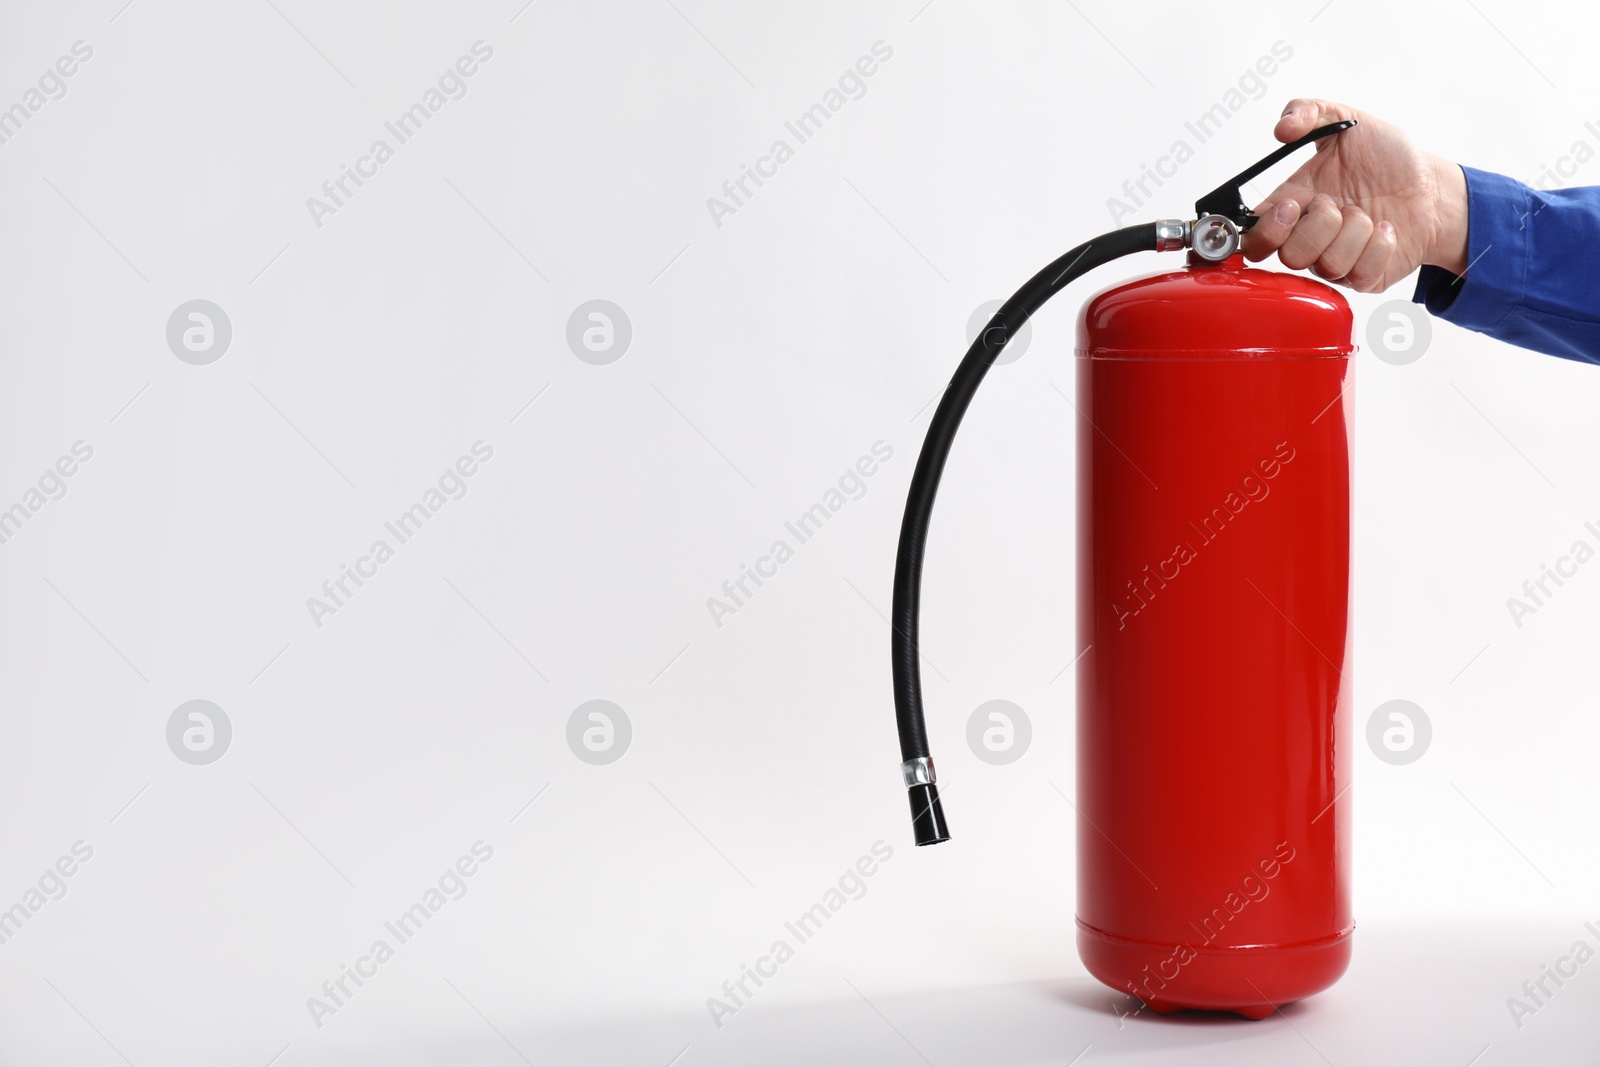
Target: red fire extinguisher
x: 1214, y: 735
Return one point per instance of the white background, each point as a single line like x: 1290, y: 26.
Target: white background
x: 768, y: 354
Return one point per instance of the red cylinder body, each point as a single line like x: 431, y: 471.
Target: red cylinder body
x: 1214, y: 734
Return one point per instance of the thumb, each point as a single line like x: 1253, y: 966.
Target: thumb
x: 1304, y: 114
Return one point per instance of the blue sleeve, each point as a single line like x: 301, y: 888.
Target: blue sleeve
x: 1533, y: 268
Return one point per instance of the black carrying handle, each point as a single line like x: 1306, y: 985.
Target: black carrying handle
x: 1227, y: 199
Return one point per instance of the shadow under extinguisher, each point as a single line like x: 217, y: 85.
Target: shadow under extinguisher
x: 1213, y: 533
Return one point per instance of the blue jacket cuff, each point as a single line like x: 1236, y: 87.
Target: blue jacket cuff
x: 1495, y: 280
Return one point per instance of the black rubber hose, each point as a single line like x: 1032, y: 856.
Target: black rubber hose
x: 927, y: 815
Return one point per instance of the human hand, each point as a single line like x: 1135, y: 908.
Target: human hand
x: 1365, y: 211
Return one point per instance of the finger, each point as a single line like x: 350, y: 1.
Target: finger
x: 1313, y: 234
x: 1304, y: 114
x: 1347, y: 246
x: 1267, y: 236
x: 1369, y: 274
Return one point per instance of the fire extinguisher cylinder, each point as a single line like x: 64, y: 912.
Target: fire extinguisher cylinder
x: 1213, y: 694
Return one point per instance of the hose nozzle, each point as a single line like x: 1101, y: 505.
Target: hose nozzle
x: 927, y: 815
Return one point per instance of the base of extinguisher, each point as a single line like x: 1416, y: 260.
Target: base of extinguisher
x: 1253, y: 1012
x: 1252, y: 981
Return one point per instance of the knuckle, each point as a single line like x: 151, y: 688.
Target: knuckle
x: 1325, y: 209
x: 1305, y: 245
x: 1357, y: 229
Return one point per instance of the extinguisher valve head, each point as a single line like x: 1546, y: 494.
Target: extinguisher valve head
x: 1215, y: 238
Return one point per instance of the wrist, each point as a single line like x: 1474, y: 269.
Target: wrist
x: 1449, y: 246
